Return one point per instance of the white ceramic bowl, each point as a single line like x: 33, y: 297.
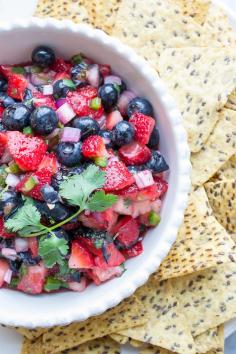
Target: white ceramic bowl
x: 16, y: 42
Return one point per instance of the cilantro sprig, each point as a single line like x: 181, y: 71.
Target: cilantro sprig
x: 80, y: 190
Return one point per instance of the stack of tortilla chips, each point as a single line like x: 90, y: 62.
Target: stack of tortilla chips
x: 184, y: 305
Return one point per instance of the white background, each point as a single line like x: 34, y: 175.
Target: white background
x: 10, y: 342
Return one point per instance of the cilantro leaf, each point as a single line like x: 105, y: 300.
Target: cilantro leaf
x: 101, y: 201
x: 77, y: 189
x: 52, y: 249
x: 26, y: 220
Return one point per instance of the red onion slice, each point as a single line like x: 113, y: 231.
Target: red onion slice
x: 144, y: 179
x: 65, y: 113
x: 21, y: 244
x: 124, y: 100
x: 47, y: 90
x: 9, y: 253
x: 102, y: 121
x: 93, y: 75
x: 112, y: 79
x: 60, y: 102
x: 70, y: 134
x: 12, y: 180
x: 8, y: 276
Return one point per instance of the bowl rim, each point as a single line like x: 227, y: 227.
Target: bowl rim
x: 180, y: 136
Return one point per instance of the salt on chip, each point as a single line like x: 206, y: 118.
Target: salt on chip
x: 208, y: 297
x: 227, y: 171
x: 201, y: 243
x: 219, y: 148
x: 222, y: 197
x: 129, y: 313
x: 103, y: 345
x: 200, y: 79
x: 32, y: 346
x: 151, y: 26
x: 218, y: 27
x: 62, y: 9
x: 167, y: 326
x: 30, y: 333
x: 209, y: 340
x: 197, y: 9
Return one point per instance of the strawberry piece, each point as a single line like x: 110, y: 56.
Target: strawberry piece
x: 80, y: 256
x: 4, y: 267
x: 16, y: 86
x: 49, y: 162
x: 134, y: 153
x: 62, y: 76
x: 3, y: 232
x: 130, y: 192
x: 117, y: 176
x: 1, y: 112
x: 110, y: 257
x: 6, y: 70
x: 42, y: 100
x: 105, y: 70
x: 134, y: 251
x: 43, y: 176
x: 135, y: 194
x: 126, y: 232
x: 162, y: 186
x: 99, y: 275
x: 33, y: 246
x: 3, y: 143
x: 100, y: 220
x: 78, y: 286
x: 94, y: 146
x: 80, y: 101
x: 27, y: 151
x: 88, y: 243
x: 112, y: 119
x: 33, y: 281
x: 143, y: 126
x: 61, y: 65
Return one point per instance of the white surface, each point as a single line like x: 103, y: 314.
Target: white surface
x: 9, y: 340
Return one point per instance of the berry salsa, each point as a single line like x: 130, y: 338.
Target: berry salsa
x: 81, y: 177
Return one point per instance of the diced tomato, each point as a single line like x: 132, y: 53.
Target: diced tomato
x: 99, y: 275
x: 134, y: 251
x: 126, y: 231
x: 110, y: 257
x: 4, y: 267
x: 33, y: 281
x: 80, y: 256
x: 33, y: 246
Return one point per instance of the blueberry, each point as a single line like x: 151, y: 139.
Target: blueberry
x: 28, y: 99
x: 60, y: 233
x: 43, y: 56
x: 9, y: 202
x: 6, y: 242
x: 58, y: 211
x: 60, y: 89
x: 49, y: 194
x: 136, y: 169
x: 75, y: 276
x: 42, y: 208
x: 43, y: 120
x: 69, y: 154
x: 154, y: 139
x: 123, y: 133
x: 109, y: 96
x: 87, y: 125
x: 157, y: 163
x: 63, y: 173
x: 3, y: 84
x: 27, y: 259
x: 107, y: 135
x: 141, y: 105
x: 79, y: 74
x: 5, y: 100
x: 15, y: 265
x: 16, y: 117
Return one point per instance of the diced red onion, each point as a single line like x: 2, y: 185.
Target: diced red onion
x: 93, y: 75
x: 47, y: 90
x: 70, y: 134
x: 6, y: 157
x: 78, y: 286
x: 8, y: 276
x: 38, y: 79
x: 102, y: 121
x: 143, y: 179
x: 112, y: 79
x: 12, y: 180
x: 9, y: 253
x: 60, y: 102
x: 65, y: 113
x: 21, y: 244
x: 123, y: 101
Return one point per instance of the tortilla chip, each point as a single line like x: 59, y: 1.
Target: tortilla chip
x: 151, y: 26
x: 201, y: 243
x: 129, y: 313
x: 208, y: 297
x: 167, y: 326
x: 30, y: 333
x: 222, y: 197
x: 209, y: 340
x: 197, y: 9
x: 200, y: 79
x: 231, y: 103
x: 103, y: 345
x: 62, y: 9
x: 218, y: 27
x: 227, y: 171
x: 218, y: 149
x: 102, y: 13
x: 201, y: 202
x: 119, y: 338
x: 33, y: 346
x: 151, y: 349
